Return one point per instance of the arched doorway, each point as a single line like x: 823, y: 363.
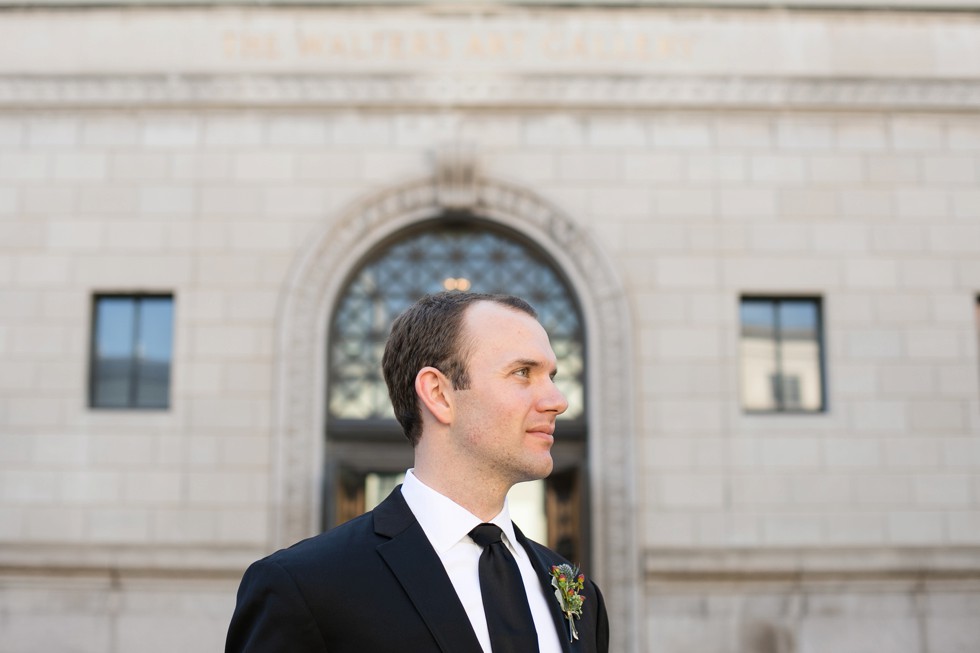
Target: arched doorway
x: 365, y: 451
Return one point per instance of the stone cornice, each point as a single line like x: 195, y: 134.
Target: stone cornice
x: 475, y: 91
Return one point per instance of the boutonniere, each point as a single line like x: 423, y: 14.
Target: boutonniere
x: 568, y: 583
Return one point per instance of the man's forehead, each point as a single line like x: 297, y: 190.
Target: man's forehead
x: 510, y: 333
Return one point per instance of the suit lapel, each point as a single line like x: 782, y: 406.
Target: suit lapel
x: 420, y: 572
x: 543, y: 569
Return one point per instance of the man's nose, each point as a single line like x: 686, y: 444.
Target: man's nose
x: 554, y: 400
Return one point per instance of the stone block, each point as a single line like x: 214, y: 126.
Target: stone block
x: 777, y: 169
x: 682, y: 134
x: 653, y: 167
x: 59, y: 450
x: 836, y: 169
x: 906, y: 380
x: 840, y: 239
x: 628, y: 202
x: 908, y: 527
x: 687, y: 343
x: 245, y: 451
x: 381, y: 166
x: 298, y: 131
x: 555, y: 130
x: 947, y: 239
x: 871, y: 274
x: 902, y: 308
x: 357, y: 128
x: 950, y: 170
x: 111, y: 130
x: 52, y: 131
x: 849, y: 310
x: 20, y: 166
x: 139, y: 166
x: 961, y: 452
x: 249, y: 235
x: 152, y: 488
x: 747, y: 202
x: 943, y: 490
x: 686, y: 272
x: 118, y: 525
x: 795, y: 453
x: 201, y: 166
x: 663, y: 529
x: 175, y: 201
x: 855, y: 529
x: 752, y: 491
x: 134, y: 236
x: 228, y: 130
x: 781, y: 238
x: 915, y: 133
x: 852, y: 453
x: 958, y: 380
x: 879, y: 416
x: 800, y: 133
x: 792, y: 530
x: 210, y: 413
x: 48, y: 200
x: 616, y: 132
x: 75, y: 234
x: 861, y: 134
x: 13, y: 131
x: 30, y: 487
x: 873, y: 344
x: 47, y: 524
x: 866, y: 203
x: 717, y: 168
x: 185, y: 526
x: 898, y: 238
x: 80, y: 166
x: 527, y: 167
x: 9, y: 200
x: 689, y: 491
x: 667, y: 452
x: 224, y: 342
x: 966, y: 203
x: 821, y: 489
x: 246, y: 378
x: 12, y: 524
x: 263, y: 167
x: 102, y: 201
x: 937, y: 416
x: 691, y: 202
x: 779, y: 274
x: 854, y: 380
x: 220, y: 489
x: 843, y: 634
x: 892, y: 169
x: 743, y: 133
x: 122, y: 449
x: 933, y: 344
x: 883, y: 490
x: 590, y: 167
x: 963, y: 527
x: 924, y: 203
x: 489, y: 132
x: 687, y: 416
x: 91, y: 486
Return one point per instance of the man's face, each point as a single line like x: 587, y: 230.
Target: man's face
x: 505, y: 420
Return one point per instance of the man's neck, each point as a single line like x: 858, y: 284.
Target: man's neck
x: 477, y: 496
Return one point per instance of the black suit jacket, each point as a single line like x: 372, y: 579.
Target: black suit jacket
x: 375, y: 585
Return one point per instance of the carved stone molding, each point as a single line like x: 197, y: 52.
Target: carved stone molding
x: 475, y: 91
x: 312, y: 289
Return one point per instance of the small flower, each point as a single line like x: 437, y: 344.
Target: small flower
x: 567, y: 593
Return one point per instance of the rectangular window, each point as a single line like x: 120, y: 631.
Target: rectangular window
x: 132, y: 345
x: 781, y: 354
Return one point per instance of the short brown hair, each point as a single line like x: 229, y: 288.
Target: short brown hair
x: 429, y: 334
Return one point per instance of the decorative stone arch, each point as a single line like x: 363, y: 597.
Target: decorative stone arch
x: 311, y: 292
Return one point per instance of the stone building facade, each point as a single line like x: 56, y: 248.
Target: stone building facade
x: 672, y: 163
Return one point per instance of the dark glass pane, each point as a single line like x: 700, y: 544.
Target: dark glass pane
x: 444, y: 257
x: 115, y: 319
x: 759, y: 364
x: 155, y: 352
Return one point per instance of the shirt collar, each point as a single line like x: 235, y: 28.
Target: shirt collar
x: 444, y: 521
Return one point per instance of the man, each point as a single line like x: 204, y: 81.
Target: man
x: 438, y: 565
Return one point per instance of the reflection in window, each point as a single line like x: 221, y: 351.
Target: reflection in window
x: 781, y: 355
x: 462, y: 256
x: 131, y: 351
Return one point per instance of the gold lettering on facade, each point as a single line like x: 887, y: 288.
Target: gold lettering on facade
x: 251, y: 45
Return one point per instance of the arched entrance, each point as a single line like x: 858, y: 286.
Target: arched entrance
x: 317, y: 281
x: 365, y: 451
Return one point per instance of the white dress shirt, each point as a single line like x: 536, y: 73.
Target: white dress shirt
x: 447, y: 525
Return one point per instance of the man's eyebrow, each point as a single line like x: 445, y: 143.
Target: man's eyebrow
x: 530, y: 362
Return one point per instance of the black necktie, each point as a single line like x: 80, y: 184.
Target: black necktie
x: 504, y: 600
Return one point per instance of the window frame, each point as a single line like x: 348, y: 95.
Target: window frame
x: 133, y: 382
x: 776, y: 300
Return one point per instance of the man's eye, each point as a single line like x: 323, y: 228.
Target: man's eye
x: 522, y: 372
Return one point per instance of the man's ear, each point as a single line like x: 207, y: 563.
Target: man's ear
x: 435, y: 392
